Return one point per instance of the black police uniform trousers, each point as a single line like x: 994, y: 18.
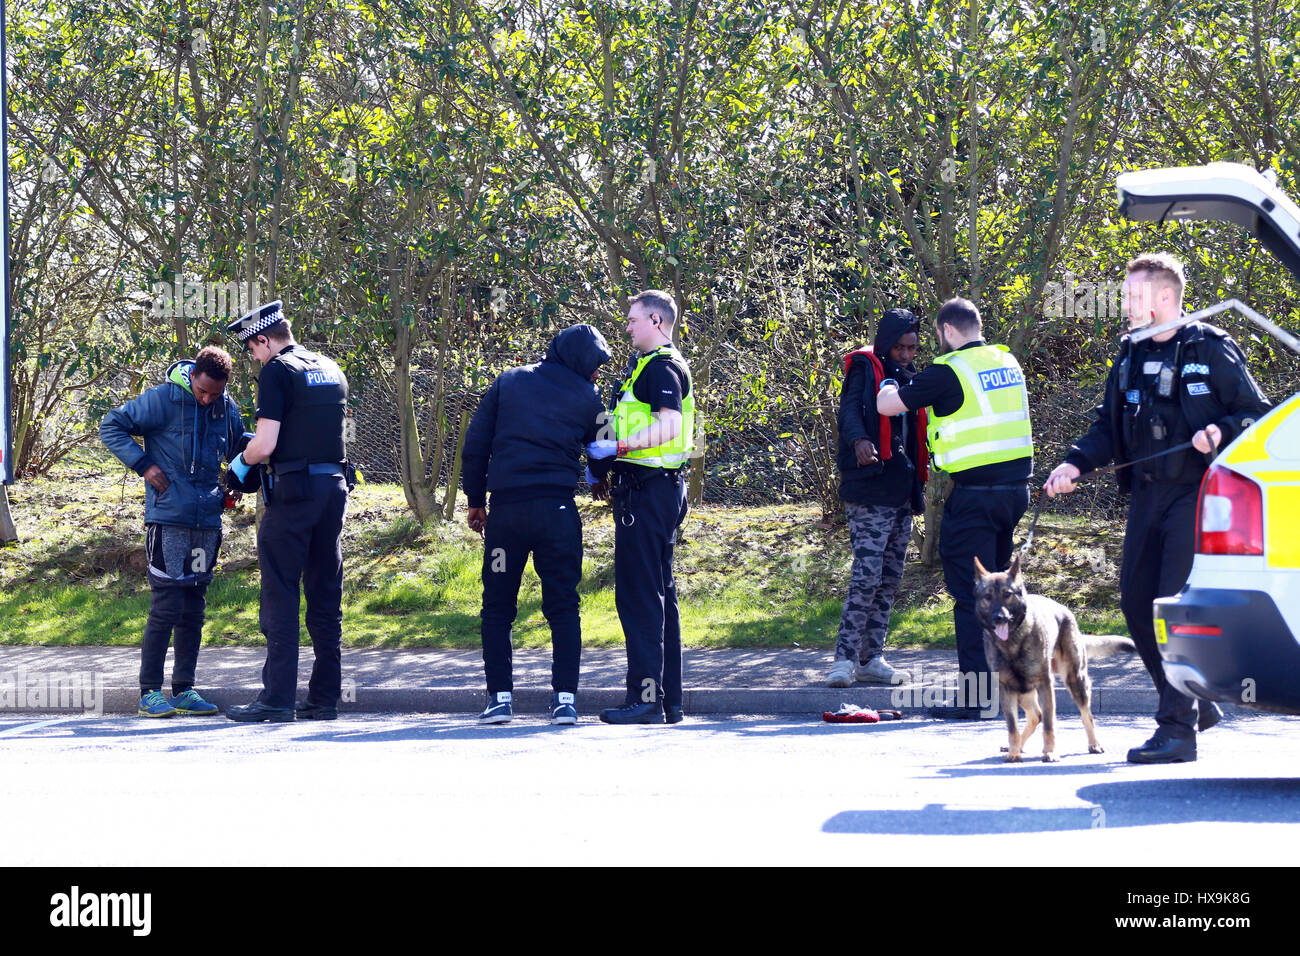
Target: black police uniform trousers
x: 549, y: 528
x: 648, y: 508
x: 1159, y: 545
x: 299, y: 540
x: 978, y: 522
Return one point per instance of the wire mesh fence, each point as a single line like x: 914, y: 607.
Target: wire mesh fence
x: 767, y: 456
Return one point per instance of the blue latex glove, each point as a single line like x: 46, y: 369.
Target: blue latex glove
x: 602, y: 448
x: 592, y: 479
x: 240, y: 467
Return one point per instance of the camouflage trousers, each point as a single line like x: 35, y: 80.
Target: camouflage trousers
x: 879, y: 535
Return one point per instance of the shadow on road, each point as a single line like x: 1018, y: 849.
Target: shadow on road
x: 1131, y: 803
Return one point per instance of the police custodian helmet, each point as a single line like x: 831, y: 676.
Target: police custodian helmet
x: 257, y: 321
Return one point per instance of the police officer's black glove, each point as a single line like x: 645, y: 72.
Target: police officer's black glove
x: 251, y: 483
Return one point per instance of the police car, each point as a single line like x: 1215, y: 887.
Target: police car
x: 1233, y: 632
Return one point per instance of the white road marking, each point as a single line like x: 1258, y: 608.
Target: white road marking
x: 23, y: 728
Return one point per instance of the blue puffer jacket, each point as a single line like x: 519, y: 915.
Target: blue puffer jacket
x: 187, y: 441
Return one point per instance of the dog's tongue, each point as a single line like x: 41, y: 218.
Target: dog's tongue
x: 1002, y: 630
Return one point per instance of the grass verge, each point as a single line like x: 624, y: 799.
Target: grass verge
x: 770, y: 576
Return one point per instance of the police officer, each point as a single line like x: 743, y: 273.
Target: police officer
x: 654, y: 421
x: 1185, y: 384
x: 301, y: 398
x: 524, y: 445
x: 979, y: 433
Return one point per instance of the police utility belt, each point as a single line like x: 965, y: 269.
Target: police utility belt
x: 635, y: 477
x: 279, y: 469
x: 313, y: 468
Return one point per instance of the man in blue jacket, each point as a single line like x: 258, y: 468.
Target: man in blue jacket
x: 524, y: 445
x: 190, y: 426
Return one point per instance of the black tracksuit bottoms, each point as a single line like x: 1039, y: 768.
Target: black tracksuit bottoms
x: 551, y: 530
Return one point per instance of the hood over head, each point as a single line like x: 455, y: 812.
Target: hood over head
x: 580, y: 348
x: 178, y: 373
x: 894, y: 324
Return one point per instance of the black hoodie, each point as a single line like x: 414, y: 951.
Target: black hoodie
x: 892, y: 483
x: 527, y: 437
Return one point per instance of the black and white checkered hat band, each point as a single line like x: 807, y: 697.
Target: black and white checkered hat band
x: 250, y: 325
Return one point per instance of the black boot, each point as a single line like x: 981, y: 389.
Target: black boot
x: 258, y: 711
x: 1163, y: 748
x: 306, y: 711
x: 1208, y: 714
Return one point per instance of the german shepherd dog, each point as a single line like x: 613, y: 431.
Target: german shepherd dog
x: 1027, y: 637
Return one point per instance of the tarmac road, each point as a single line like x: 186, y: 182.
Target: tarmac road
x: 438, y: 789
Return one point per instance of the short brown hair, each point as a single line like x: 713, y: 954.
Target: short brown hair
x: 961, y: 314
x: 213, y: 362
x: 279, y: 332
x: 1161, y: 264
x: 657, y: 300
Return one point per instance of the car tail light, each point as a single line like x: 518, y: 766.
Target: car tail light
x: 1230, y: 514
x: 1196, y: 630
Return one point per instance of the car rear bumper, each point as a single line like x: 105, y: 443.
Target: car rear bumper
x: 1252, y: 660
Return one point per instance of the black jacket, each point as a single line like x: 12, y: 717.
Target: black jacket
x: 894, y: 482
x: 1214, y: 387
x: 528, y: 434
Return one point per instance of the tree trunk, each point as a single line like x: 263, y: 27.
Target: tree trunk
x: 454, y: 479
x: 411, y: 458
x: 8, y: 532
x: 937, y: 490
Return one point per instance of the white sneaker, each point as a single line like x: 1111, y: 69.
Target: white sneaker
x: 878, y: 671
x: 841, y: 674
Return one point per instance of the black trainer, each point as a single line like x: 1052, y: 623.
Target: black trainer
x: 634, y: 713
x: 1163, y: 748
x: 673, y: 713
x: 563, y: 708
x: 497, y: 710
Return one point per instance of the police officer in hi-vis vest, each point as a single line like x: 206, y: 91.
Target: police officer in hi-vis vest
x: 301, y: 400
x: 654, y: 420
x: 979, y: 434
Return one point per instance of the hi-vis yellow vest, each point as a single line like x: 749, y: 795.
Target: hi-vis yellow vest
x: 630, y: 416
x: 992, y: 424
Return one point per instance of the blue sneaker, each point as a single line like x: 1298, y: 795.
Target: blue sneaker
x: 154, y: 704
x: 563, y: 710
x: 497, y: 710
x: 188, y: 703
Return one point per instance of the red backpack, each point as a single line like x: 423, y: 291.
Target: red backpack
x: 922, y: 459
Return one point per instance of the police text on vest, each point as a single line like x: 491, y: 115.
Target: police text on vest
x: 1001, y: 378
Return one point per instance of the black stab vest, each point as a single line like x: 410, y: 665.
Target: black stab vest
x: 312, y: 431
